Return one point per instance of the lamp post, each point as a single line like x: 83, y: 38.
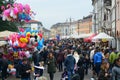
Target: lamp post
x: 78, y: 27
x: 115, y: 25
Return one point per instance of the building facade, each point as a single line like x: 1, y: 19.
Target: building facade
x: 46, y: 33
x: 71, y: 28
x: 84, y: 25
x: 102, y: 16
x: 60, y: 28
x: 118, y: 23
x: 106, y: 16
x: 33, y: 24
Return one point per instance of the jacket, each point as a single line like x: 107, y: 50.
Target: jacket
x: 69, y: 62
x: 51, y: 65
x: 98, y: 57
x: 102, y: 75
x: 112, y: 57
x: 116, y: 72
x: 23, y: 69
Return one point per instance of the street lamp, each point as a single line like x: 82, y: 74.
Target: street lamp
x: 78, y: 26
x: 115, y: 25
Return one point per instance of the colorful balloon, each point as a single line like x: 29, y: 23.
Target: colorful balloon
x: 23, y: 40
x: 28, y: 34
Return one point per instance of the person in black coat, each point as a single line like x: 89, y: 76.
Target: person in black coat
x: 4, y: 66
x: 17, y: 63
x: 25, y: 70
x: 81, y: 68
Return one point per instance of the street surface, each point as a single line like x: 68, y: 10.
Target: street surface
x: 57, y: 76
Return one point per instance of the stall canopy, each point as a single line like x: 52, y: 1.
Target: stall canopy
x: 5, y: 33
x: 102, y: 36
x: 89, y: 39
x: 3, y: 43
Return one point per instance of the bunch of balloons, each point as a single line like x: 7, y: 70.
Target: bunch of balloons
x: 16, y: 12
x: 26, y: 39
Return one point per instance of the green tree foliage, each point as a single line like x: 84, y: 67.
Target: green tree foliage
x: 7, y: 25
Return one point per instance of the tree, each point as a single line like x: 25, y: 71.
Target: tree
x: 7, y: 25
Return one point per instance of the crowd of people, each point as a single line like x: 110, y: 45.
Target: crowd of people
x: 73, y: 57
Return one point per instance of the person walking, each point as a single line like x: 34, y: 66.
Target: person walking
x: 60, y: 58
x: 51, y: 61
x: 116, y: 70
x: 25, y: 70
x: 86, y: 63
x: 4, y: 66
x: 81, y: 68
x: 112, y: 57
x: 70, y: 64
x: 104, y: 72
x: 97, y: 60
x: 17, y: 63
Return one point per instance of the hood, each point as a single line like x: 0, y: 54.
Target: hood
x: 99, y: 53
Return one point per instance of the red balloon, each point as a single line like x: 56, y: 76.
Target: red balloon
x: 28, y: 35
x: 22, y: 45
x: 40, y: 35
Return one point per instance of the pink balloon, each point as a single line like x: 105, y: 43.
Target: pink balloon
x: 2, y: 7
x: 27, y: 8
x: 9, y: 5
x: 6, y: 12
x: 19, y: 7
x: 15, y: 10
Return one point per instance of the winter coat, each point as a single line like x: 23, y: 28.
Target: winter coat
x: 3, y: 64
x: 116, y: 72
x: 112, y: 57
x: 51, y: 65
x: 81, y: 68
x: 102, y: 75
x: 23, y: 69
x: 98, y: 57
x: 60, y: 57
x: 37, y: 57
x: 69, y: 62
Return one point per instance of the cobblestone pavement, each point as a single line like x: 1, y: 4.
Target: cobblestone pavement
x: 56, y: 77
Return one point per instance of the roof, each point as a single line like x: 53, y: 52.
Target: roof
x: 46, y: 30
x: 34, y: 21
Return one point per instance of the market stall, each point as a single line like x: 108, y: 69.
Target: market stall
x: 103, y: 40
x: 102, y: 36
x: 89, y: 39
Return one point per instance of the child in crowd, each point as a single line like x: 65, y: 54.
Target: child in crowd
x: 39, y: 69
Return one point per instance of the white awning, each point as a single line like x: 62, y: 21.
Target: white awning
x: 103, y: 36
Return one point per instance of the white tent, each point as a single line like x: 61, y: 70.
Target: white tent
x: 2, y: 43
x: 6, y: 33
x: 102, y: 36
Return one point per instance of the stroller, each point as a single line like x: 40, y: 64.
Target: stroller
x: 64, y: 75
x: 75, y: 76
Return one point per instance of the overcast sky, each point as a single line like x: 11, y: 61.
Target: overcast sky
x: 50, y: 12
